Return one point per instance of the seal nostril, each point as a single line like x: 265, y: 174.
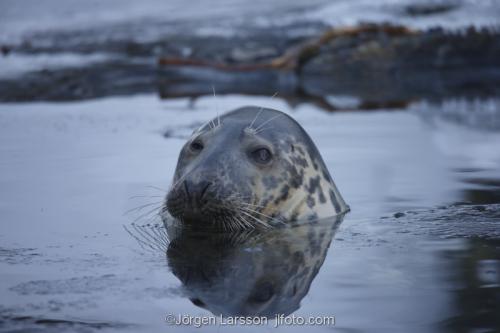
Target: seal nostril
x: 186, y: 189
x: 204, y: 190
x: 195, y: 192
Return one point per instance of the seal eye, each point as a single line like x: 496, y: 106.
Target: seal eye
x: 196, y: 146
x: 262, y: 155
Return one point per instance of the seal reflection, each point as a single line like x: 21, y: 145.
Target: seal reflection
x: 249, y: 272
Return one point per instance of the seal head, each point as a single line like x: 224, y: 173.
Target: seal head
x: 251, y: 167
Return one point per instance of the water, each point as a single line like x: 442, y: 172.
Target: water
x: 418, y: 252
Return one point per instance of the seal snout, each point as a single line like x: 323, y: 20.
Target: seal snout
x: 194, y: 200
x: 197, y: 193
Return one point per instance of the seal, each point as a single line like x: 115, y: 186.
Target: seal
x: 251, y: 167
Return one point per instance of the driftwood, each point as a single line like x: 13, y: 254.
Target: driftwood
x: 295, y: 56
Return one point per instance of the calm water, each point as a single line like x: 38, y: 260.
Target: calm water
x: 419, y: 251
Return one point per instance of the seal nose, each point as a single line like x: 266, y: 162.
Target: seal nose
x: 196, y: 191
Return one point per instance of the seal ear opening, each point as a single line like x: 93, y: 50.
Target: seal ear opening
x: 198, y: 302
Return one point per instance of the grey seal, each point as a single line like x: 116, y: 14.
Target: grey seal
x: 251, y: 167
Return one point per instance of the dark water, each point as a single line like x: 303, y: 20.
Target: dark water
x: 418, y: 252
x: 83, y: 249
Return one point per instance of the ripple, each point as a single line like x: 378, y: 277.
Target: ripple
x: 76, y: 285
x: 453, y: 221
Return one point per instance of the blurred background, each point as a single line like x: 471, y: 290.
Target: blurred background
x: 400, y: 96
x: 383, y: 53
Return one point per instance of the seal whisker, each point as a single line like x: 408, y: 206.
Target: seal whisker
x: 256, y: 219
x: 239, y: 221
x: 263, y: 129
x: 141, y: 207
x: 147, y: 213
x: 236, y: 219
x: 251, y: 205
x: 244, y: 223
x: 202, y: 125
x: 237, y: 199
x: 161, y: 235
x: 274, y: 95
x: 232, y: 219
x: 145, y: 196
x: 158, y: 241
x: 154, y: 217
x: 157, y: 188
x: 231, y: 202
x: 243, y: 203
x: 216, y: 108
x: 256, y: 116
x: 144, y: 245
x: 241, y: 224
x: 267, y: 216
x: 247, y: 223
x: 239, y: 208
x: 154, y: 238
x: 151, y: 219
x: 260, y: 111
x: 248, y: 212
x: 224, y: 221
x: 230, y: 224
x: 146, y: 238
x: 267, y: 121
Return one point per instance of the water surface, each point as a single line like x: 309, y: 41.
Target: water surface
x: 419, y: 251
